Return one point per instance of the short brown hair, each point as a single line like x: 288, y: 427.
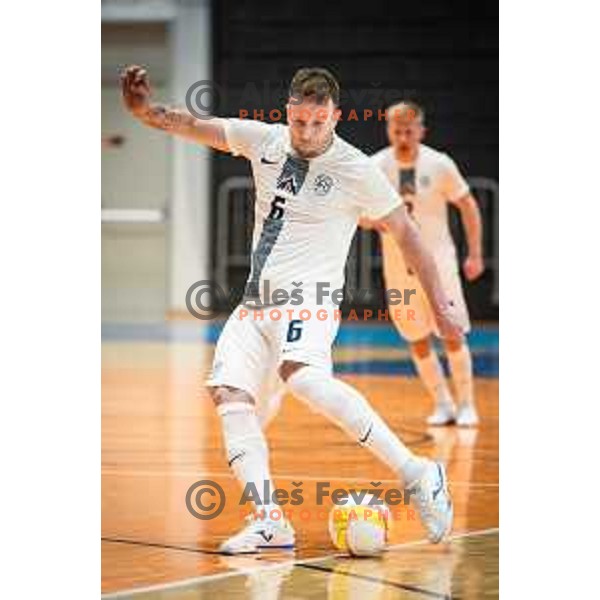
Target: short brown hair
x: 317, y: 82
x: 409, y: 108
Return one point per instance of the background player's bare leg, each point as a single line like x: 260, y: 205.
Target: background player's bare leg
x: 461, y: 368
x: 430, y: 371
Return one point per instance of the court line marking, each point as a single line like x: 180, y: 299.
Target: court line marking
x: 190, y: 581
x: 115, y: 540
x: 294, y: 477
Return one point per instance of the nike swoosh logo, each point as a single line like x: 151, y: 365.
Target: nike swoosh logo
x: 266, y: 536
x: 366, y: 437
x: 235, y: 458
x: 439, y: 489
x: 264, y: 161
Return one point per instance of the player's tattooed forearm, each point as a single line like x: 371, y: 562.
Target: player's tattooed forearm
x: 163, y: 117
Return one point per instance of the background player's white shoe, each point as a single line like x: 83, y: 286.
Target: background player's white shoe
x: 432, y: 501
x: 444, y: 414
x: 260, y: 534
x: 466, y: 416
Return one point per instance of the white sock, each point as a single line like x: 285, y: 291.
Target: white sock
x: 351, y: 411
x: 461, y: 368
x: 247, y: 451
x: 431, y: 374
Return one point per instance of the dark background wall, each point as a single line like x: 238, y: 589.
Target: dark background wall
x: 442, y: 54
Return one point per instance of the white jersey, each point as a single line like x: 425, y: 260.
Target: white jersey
x: 306, y: 211
x: 426, y: 187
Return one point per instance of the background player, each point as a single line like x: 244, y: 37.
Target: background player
x: 311, y: 189
x: 428, y: 181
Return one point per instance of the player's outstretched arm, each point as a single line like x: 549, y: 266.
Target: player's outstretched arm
x: 136, y: 92
x: 470, y: 215
x: 416, y: 254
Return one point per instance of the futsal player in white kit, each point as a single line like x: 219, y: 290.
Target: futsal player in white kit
x: 311, y: 188
x: 429, y: 181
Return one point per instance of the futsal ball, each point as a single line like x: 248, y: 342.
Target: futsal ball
x: 360, y: 529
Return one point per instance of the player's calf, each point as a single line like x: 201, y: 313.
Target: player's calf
x: 461, y: 368
x: 248, y: 457
x: 346, y: 407
x: 431, y: 374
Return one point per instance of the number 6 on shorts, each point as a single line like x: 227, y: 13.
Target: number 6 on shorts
x: 294, y: 330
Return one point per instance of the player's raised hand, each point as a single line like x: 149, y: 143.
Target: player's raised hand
x: 448, y: 323
x: 135, y: 88
x: 473, y: 267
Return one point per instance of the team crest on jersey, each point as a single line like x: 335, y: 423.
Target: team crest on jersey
x: 424, y: 180
x: 322, y: 185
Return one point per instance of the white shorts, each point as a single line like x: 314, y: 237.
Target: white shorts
x: 250, y: 348
x: 422, y: 324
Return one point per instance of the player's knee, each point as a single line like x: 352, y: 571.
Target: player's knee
x: 421, y: 348
x: 224, y: 393
x: 288, y: 368
x: 453, y: 345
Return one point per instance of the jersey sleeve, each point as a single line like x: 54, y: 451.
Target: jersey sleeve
x: 245, y: 136
x: 377, y: 196
x: 455, y: 186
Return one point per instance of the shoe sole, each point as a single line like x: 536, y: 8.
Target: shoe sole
x: 256, y: 550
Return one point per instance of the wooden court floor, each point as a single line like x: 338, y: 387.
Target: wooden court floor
x: 160, y: 435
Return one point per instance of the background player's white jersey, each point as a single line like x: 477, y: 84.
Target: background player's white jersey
x: 306, y: 211
x: 426, y: 187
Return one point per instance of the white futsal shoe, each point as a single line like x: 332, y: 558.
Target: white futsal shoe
x: 432, y: 500
x: 444, y: 414
x: 260, y: 534
x: 466, y: 416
